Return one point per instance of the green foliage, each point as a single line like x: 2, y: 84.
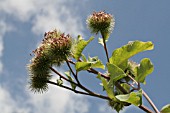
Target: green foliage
x: 71, y: 79
x: 93, y: 62
x: 121, y: 55
x: 109, y: 89
x: 166, y: 109
x: 125, y: 86
x: 79, y: 47
x: 59, y: 82
x: 134, y: 98
x: 115, y: 73
x: 145, y: 68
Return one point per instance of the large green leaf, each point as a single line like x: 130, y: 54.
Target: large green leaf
x: 108, y: 89
x: 81, y: 44
x: 82, y: 66
x: 115, y: 72
x: 166, y: 109
x: 71, y: 79
x: 122, y: 54
x: 134, y: 98
x: 145, y: 68
x: 93, y: 62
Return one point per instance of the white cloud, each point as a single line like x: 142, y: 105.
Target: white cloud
x: 105, y: 108
x: 44, y: 15
x: 55, y: 100
x: 52, y: 16
x: 8, y: 104
x: 3, y: 29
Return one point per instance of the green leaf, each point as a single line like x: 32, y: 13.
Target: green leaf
x: 115, y: 72
x: 166, y: 109
x: 145, y: 68
x: 134, y: 98
x: 93, y: 62
x: 108, y: 89
x: 122, y: 54
x: 71, y: 79
x: 79, y: 37
x: 96, y: 63
x: 125, y: 86
x: 83, y: 57
x: 81, y: 44
x: 82, y: 66
x: 59, y: 82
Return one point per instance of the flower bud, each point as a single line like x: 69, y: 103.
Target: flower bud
x: 58, y: 46
x: 101, y: 22
x: 39, y: 84
x: 54, y: 50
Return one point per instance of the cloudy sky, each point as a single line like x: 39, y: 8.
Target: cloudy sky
x: 23, y: 23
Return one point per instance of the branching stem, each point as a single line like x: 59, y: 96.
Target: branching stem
x: 75, y: 75
x: 150, y: 101
x: 91, y: 70
x: 145, y: 95
x: 78, y: 85
x: 61, y: 76
x: 80, y: 92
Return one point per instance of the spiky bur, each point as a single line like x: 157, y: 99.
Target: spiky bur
x: 58, y: 46
x: 54, y: 50
x: 101, y: 22
x: 116, y: 105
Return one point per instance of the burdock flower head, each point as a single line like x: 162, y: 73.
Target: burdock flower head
x: 54, y: 50
x: 58, y: 46
x: 101, y: 22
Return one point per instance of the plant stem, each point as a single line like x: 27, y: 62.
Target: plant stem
x: 75, y: 75
x: 62, y: 76
x: 145, y: 95
x: 144, y: 108
x: 91, y: 70
x: 150, y: 101
x: 105, y: 47
x: 71, y: 69
x: 80, y: 92
x: 79, y: 85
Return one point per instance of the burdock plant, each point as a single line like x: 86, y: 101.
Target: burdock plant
x: 121, y: 77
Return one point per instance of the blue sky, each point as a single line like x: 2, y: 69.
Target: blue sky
x: 23, y: 23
